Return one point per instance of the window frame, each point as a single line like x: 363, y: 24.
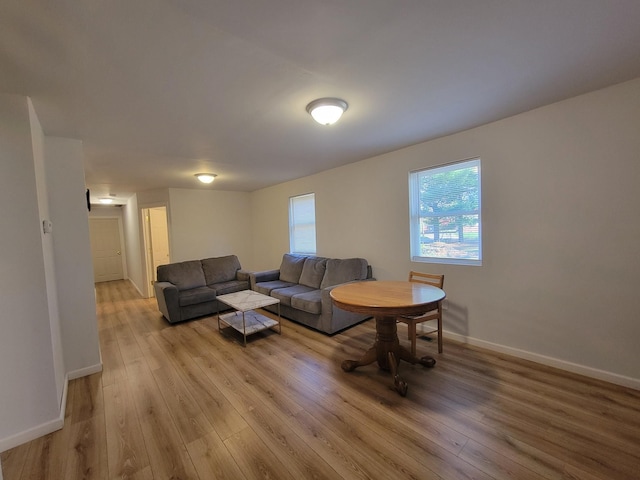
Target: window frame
x: 293, y: 244
x: 415, y: 215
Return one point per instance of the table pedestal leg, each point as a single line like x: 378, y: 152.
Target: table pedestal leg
x: 388, y: 352
x: 368, y: 358
x: 407, y: 356
x: 398, y: 383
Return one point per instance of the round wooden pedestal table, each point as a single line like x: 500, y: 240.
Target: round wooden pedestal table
x: 385, y: 300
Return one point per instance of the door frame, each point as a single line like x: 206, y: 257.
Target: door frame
x: 147, y: 246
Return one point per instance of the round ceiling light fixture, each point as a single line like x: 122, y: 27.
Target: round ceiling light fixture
x: 327, y: 111
x: 206, y: 177
x: 106, y: 200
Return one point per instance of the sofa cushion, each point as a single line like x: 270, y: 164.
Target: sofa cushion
x: 266, y: 287
x: 220, y: 269
x: 344, y: 270
x: 194, y: 296
x: 285, y: 294
x: 310, y: 302
x: 291, y: 267
x: 313, y: 272
x: 223, y: 288
x: 184, y: 275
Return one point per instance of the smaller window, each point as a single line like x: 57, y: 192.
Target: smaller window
x: 444, y: 204
x: 302, y: 224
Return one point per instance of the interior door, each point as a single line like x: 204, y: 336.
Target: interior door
x: 105, y: 249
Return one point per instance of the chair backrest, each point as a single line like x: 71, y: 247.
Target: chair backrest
x: 428, y: 278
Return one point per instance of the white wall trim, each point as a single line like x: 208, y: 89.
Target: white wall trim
x: 52, y: 425
x: 137, y: 288
x: 39, y: 430
x: 549, y: 361
x: 83, y: 372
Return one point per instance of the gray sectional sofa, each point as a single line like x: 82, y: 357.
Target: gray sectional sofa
x: 187, y: 290
x: 302, y: 284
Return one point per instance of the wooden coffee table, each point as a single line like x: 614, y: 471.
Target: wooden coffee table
x: 245, y: 319
x: 385, y: 300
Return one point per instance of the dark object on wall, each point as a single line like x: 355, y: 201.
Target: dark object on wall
x: 88, y: 201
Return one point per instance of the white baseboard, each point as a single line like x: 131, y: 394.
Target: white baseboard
x: 83, y: 372
x: 549, y: 361
x: 52, y: 425
x: 136, y: 287
x: 39, y: 430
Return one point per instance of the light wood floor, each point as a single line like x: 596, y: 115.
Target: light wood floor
x: 183, y: 401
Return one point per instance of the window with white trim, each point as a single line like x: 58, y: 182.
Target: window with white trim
x: 302, y: 223
x: 445, y: 209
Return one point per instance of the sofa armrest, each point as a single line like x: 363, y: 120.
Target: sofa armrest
x: 243, y: 275
x: 168, y: 302
x: 265, y: 276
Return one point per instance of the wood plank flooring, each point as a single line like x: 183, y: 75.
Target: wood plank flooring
x: 185, y: 402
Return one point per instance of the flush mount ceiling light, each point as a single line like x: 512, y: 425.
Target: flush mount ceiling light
x: 327, y: 111
x: 105, y: 200
x: 206, y: 177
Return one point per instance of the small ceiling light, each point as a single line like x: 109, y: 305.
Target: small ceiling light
x: 105, y: 200
x: 206, y: 177
x: 327, y: 111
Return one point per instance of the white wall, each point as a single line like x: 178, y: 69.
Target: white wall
x: 153, y: 198
x: 133, y: 245
x: 42, y: 190
x: 28, y: 392
x: 106, y: 211
x: 210, y: 223
x: 561, y: 262
x: 74, y: 268
x: 49, y: 328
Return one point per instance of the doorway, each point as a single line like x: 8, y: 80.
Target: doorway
x: 106, y: 249
x: 156, y: 239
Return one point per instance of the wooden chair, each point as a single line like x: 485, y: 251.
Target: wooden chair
x: 412, y: 321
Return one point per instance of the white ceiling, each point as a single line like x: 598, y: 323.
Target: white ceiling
x: 159, y: 90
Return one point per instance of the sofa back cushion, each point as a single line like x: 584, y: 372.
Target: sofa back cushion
x: 220, y: 269
x: 291, y: 267
x: 313, y: 272
x: 184, y: 275
x: 344, y: 270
